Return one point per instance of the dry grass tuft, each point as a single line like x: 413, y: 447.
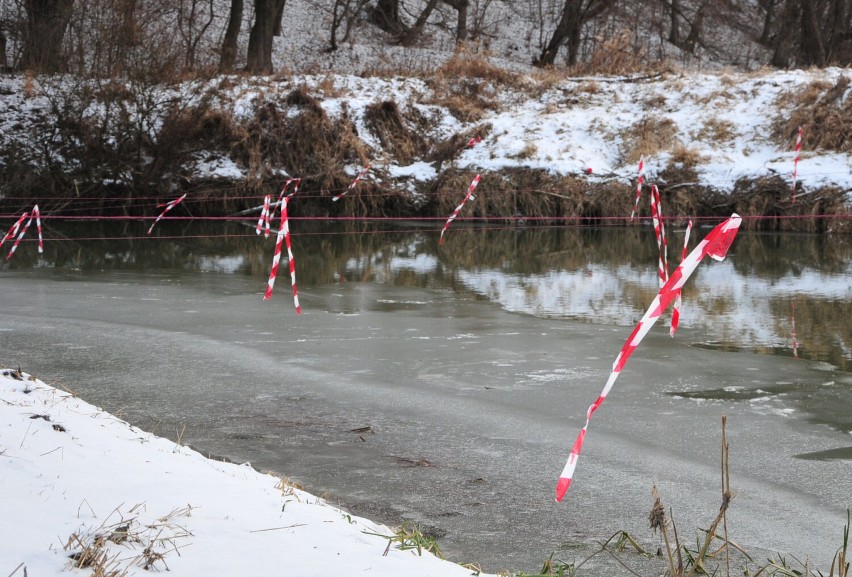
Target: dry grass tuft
x: 308, y: 144
x: 92, y: 555
x: 467, y: 85
x: 686, y: 156
x: 94, y: 549
x: 289, y: 487
x: 514, y: 193
x: 467, y: 63
x: 824, y: 112
x: 387, y: 123
x: 448, y: 150
x: 618, y: 54
x: 648, y: 137
x: 717, y: 130
x: 771, y: 199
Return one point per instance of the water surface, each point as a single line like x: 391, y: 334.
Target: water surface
x: 445, y: 386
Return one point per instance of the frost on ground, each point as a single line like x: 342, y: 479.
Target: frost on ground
x: 725, y: 126
x: 82, y: 488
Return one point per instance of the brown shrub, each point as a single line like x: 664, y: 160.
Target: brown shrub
x: 824, y: 112
x: 466, y: 85
x: 717, y: 130
x: 648, y: 137
x: 307, y: 144
x: 618, y: 54
x: 467, y: 63
x: 513, y: 193
x: 771, y: 199
x: 448, y: 150
x: 386, y: 122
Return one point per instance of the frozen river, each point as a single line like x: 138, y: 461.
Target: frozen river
x: 447, y: 387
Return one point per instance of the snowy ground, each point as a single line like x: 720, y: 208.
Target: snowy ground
x: 595, y: 127
x: 81, y: 483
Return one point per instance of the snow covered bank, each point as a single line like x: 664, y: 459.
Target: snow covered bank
x: 80, y: 483
x: 705, y: 130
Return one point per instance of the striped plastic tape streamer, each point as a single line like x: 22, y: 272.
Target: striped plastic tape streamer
x: 283, y: 236
x: 453, y: 216
x: 796, y: 161
x: 660, y: 233
x: 295, y: 182
x: 263, y: 221
x: 14, y: 229
x: 169, y: 206
x: 352, y: 186
x: 639, y: 182
x: 676, y: 308
x: 20, y: 236
x: 38, y: 226
x: 716, y: 245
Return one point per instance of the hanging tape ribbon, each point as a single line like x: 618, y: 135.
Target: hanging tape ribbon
x: 716, y: 245
x: 638, y: 187
x: 453, y: 216
x: 169, y: 206
x: 352, y: 186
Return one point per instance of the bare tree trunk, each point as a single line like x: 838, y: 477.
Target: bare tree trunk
x: 385, y: 15
x: 812, y: 44
x: 343, y: 14
x: 695, y: 27
x: 338, y: 13
x: 460, y: 7
x: 47, y: 21
x: 768, y: 20
x: 575, y: 14
x: 228, y: 54
x: 839, y: 28
x: 674, y: 14
x: 192, y: 28
x: 267, y: 14
x: 412, y: 34
x: 783, y: 44
x: 279, y: 18
x: 4, y: 64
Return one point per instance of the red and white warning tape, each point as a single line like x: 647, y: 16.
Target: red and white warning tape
x: 660, y: 233
x: 20, y: 236
x: 639, y: 182
x: 295, y: 182
x: 469, y: 195
x: 14, y: 229
x: 37, y: 215
x: 264, y: 219
x: 169, y: 206
x: 796, y: 161
x: 361, y: 174
x: 716, y: 245
x: 676, y: 308
x: 284, y: 236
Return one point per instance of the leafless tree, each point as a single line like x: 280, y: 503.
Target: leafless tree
x: 811, y: 33
x: 386, y: 15
x: 194, y: 18
x: 47, y: 21
x: 461, y: 8
x: 228, y: 52
x: 4, y: 62
x: 267, y: 24
x: 575, y: 15
x: 344, y: 14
